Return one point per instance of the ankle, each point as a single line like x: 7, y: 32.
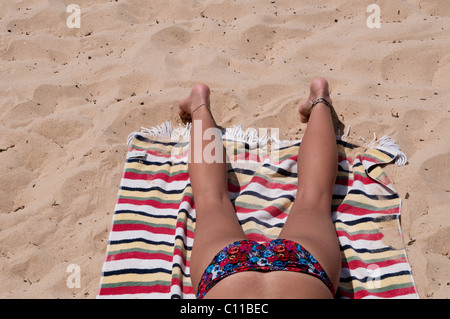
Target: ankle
x: 198, y: 107
x: 326, y: 102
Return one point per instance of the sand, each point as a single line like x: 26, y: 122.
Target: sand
x: 70, y: 97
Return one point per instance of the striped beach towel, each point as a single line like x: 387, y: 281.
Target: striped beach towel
x: 150, y: 243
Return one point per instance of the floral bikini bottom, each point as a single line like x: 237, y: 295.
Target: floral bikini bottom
x: 249, y: 255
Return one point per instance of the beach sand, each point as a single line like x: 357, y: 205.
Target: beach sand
x: 70, y: 97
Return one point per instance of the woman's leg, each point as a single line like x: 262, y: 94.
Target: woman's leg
x: 309, y: 222
x: 216, y: 221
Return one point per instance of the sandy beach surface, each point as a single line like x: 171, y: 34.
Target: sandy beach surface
x: 70, y: 96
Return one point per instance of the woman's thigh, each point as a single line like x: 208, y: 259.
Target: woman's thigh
x: 216, y: 228
x: 315, y: 231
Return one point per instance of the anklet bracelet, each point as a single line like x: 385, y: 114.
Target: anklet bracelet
x: 319, y: 100
x: 199, y: 107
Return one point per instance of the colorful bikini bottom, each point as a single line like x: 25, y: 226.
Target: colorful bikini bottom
x: 249, y: 255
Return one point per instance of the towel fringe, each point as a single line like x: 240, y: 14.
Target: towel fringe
x: 384, y: 144
x: 344, y: 136
x: 257, y: 138
x: 254, y: 138
x: 387, y: 144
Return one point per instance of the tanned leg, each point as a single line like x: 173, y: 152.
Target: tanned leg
x: 309, y: 222
x: 216, y: 221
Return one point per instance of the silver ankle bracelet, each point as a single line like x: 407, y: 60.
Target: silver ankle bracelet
x: 319, y: 100
x: 199, y: 107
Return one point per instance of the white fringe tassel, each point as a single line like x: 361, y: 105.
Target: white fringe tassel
x: 252, y: 137
x: 387, y: 144
x: 165, y: 130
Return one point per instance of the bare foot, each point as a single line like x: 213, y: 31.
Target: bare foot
x: 318, y: 88
x: 199, y: 95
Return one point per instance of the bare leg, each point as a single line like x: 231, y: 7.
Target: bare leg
x: 309, y: 222
x: 216, y: 221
